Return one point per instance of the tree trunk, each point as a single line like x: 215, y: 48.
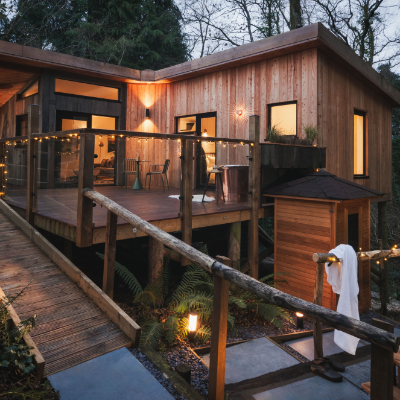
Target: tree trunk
x: 295, y: 15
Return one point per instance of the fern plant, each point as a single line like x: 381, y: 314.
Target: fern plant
x: 195, y: 292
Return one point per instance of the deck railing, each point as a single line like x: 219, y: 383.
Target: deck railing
x: 84, y: 229
x: 386, y: 342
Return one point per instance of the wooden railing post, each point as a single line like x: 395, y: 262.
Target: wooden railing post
x: 219, y: 328
x: 381, y: 367
x: 31, y: 174
x: 383, y: 280
x: 318, y: 292
x: 84, y: 223
x: 109, y: 254
x: 254, y: 193
x: 2, y: 168
x: 382, y: 222
x: 156, y: 258
x: 235, y: 230
x: 51, y: 162
x: 186, y: 194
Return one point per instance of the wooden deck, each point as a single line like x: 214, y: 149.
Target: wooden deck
x: 57, y: 210
x: 70, y: 328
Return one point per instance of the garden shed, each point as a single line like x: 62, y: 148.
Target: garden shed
x: 313, y: 215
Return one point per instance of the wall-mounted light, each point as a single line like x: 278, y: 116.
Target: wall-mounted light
x: 192, y: 326
x: 239, y: 113
x: 147, y: 113
x: 300, y: 321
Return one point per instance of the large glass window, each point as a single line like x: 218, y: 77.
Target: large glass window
x: 283, y: 117
x: 86, y: 89
x: 359, y: 143
x: 31, y: 90
x: 186, y: 124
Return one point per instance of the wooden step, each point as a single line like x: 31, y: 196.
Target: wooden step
x: 396, y: 391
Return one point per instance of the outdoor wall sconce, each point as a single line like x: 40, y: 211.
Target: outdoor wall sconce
x: 147, y: 113
x: 239, y: 113
x: 300, y: 322
x: 192, y: 326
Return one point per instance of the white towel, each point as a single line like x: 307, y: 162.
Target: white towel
x: 342, y: 276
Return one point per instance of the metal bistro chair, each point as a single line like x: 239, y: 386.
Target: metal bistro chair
x: 164, y: 171
x: 129, y: 169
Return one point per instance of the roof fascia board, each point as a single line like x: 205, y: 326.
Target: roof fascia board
x: 247, y: 53
x: 16, y: 53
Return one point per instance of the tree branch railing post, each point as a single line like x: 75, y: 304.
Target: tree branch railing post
x: 186, y: 193
x: 31, y: 159
x: 84, y: 223
x: 317, y: 325
x: 109, y: 254
x: 216, y: 386
x: 254, y: 193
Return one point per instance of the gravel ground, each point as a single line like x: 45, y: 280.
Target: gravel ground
x: 183, y: 354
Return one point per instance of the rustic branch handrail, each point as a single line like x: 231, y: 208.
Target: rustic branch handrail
x: 129, y: 134
x: 361, y: 255
x: 331, y: 318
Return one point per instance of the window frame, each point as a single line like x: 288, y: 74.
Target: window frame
x: 61, y: 114
x: 88, y: 97
x: 26, y: 87
x: 363, y: 114
x: 198, y: 120
x: 282, y: 103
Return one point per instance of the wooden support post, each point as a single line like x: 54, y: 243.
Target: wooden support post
x: 31, y: 175
x: 254, y: 193
x: 2, y: 168
x: 109, y: 254
x: 186, y: 194
x: 318, y: 291
x: 120, y: 154
x: 84, y: 223
x: 382, y: 222
x: 234, y: 244
x: 51, y: 162
x: 381, y: 367
x: 219, y: 328
x: 156, y: 258
x: 383, y: 280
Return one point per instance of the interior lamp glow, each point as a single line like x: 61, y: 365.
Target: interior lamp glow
x: 300, y: 322
x: 192, y: 326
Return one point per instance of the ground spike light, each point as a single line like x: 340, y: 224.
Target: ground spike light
x: 193, y: 322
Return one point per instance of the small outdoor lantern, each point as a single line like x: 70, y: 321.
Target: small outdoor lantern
x: 239, y: 112
x: 147, y: 113
x: 192, y: 326
x: 300, y: 322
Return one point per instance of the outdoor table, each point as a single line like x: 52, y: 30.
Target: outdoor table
x: 138, y: 185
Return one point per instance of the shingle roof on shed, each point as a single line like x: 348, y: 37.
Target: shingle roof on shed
x: 322, y: 185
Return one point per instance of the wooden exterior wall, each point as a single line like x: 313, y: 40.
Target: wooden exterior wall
x: 9, y: 112
x: 249, y: 88
x: 339, y: 93
x: 305, y: 227
x: 302, y: 228
x: 361, y: 206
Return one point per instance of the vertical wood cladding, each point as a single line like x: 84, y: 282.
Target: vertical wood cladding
x: 339, y: 94
x: 249, y: 88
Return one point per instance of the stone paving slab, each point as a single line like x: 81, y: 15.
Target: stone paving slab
x: 114, y: 376
x: 252, y: 359
x: 314, y: 388
x: 305, y: 346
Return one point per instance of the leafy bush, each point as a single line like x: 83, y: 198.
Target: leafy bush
x: 195, y: 292
x: 14, y: 353
x: 311, y: 132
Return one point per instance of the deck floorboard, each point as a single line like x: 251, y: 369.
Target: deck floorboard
x: 70, y: 329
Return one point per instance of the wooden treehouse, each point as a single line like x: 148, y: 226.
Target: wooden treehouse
x: 76, y: 133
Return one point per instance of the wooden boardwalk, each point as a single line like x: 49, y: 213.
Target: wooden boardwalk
x: 70, y: 328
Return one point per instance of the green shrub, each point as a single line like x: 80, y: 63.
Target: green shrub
x: 311, y: 132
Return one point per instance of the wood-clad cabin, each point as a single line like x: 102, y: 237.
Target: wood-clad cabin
x: 308, y: 72
x: 315, y: 214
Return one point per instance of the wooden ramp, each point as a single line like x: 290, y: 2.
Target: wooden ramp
x: 70, y: 327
